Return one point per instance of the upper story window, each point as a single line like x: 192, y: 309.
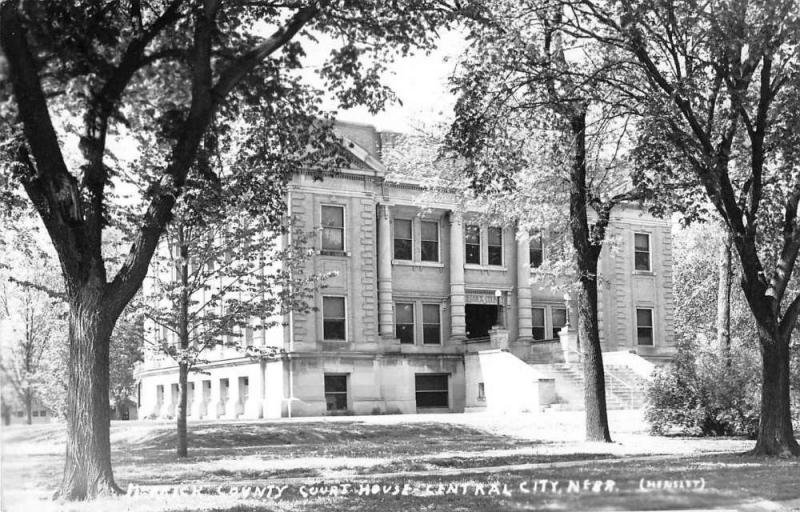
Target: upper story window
x: 333, y: 228
x: 416, y: 240
x: 429, y: 246
x: 641, y: 251
x: 495, y: 244
x: 402, y: 239
x: 472, y: 244
x: 333, y: 318
x: 644, y: 326
x: 536, y: 248
x: 431, y: 324
x: 404, y: 322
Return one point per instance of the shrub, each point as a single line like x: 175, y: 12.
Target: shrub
x: 702, y: 394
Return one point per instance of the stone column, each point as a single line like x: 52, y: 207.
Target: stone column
x: 458, y: 324
x: 524, y: 313
x: 385, y: 317
x: 199, y: 403
x: 215, y: 409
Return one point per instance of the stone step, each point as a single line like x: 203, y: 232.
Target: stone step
x: 624, y: 388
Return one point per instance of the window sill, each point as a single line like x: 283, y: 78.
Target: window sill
x: 411, y: 263
x: 328, y: 252
x: 490, y: 268
x: 643, y: 273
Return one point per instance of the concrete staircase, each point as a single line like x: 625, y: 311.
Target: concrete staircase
x: 625, y: 389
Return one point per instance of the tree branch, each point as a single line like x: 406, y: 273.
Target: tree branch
x: 234, y: 73
x: 52, y: 189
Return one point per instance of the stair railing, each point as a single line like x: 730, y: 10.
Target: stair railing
x: 615, y: 385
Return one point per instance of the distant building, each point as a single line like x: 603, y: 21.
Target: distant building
x: 14, y: 414
x: 430, y: 310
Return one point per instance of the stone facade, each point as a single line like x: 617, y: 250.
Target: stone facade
x: 424, y: 304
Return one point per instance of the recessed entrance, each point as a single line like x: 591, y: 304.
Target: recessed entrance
x: 479, y: 319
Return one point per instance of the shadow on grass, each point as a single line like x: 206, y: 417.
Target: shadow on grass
x: 425, y: 437
x: 730, y: 481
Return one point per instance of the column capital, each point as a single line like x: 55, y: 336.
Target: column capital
x: 455, y: 217
x: 384, y: 210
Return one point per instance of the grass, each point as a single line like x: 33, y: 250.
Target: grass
x: 451, y: 451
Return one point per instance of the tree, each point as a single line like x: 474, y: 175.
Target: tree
x: 32, y: 315
x: 695, y: 252
x: 219, y: 282
x: 520, y: 91
x: 175, y: 66
x: 725, y: 280
x: 718, y: 88
x: 35, y: 319
x: 125, y: 351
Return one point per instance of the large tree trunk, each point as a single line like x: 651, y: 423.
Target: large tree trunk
x: 586, y: 255
x: 775, y: 432
x: 87, y: 471
x: 724, y: 297
x: 594, y: 394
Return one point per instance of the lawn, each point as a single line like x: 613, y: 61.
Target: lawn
x: 397, y: 463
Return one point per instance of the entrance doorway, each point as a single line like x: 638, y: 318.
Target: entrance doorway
x: 480, y: 318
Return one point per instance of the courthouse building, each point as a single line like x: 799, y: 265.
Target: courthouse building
x: 429, y: 309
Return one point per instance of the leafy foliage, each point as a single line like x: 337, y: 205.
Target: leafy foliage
x: 706, y: 391
x: 695, y: 252
x: 701, y: 393
x: 125, y: 351
x: 32, y: 316
x: 239, y: 282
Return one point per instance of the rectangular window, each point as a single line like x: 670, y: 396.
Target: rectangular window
x: 644, y: 327
x: 432, y: 390
x: 402, y: 239
x: 431, y: 324
x: 333, y: 318
x: 538, y: 324
x: 472, y: 243
x: 559, y: 320
x: 42, y: 413
x: 333, y: 228
x: 404, y: 323
x: 336, y: 392
x: 35, y: 413
x: 641, y: 251
x: 495, y: 246
x: 536, y: 250
x: 481, y: 392
x: 430, y: 241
